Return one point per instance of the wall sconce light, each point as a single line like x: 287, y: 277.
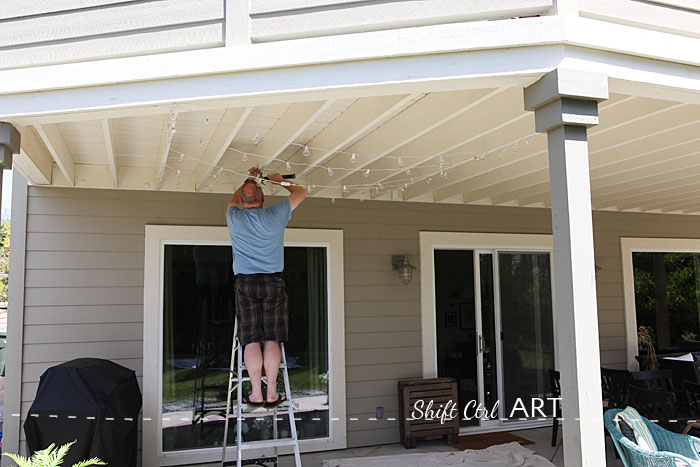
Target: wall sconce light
x: 405, y: 268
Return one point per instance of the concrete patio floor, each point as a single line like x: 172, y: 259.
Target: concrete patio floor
x: 541, y: 437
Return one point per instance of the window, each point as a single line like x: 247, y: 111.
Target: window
x: 188, y: 328
x: 662, y: 283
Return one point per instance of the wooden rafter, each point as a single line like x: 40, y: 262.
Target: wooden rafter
x: 53, y: 140
x: 417, y: 120
x: 361, y: 117
x: 108, y: 133
x: 33, y: 160
x: 228, y: 127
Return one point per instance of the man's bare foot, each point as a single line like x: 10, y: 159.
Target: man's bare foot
x: 256, y: 398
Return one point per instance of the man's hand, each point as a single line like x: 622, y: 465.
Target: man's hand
x: 255, y: 172
x: 276, y: 177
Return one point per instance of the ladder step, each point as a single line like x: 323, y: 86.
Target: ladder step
x: 282, y: 366
x: 268, y: 443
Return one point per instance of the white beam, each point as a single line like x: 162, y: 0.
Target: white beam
x: 361, y: 117
x: 295, y: 120
x: 53, y: 140
x: 419, y: 119
x: 108, y: 133
x: 228, y: 127
x: 33, y: 160
x: 166, y: 138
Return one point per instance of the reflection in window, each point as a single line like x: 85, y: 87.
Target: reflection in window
x: 666, y: 292
x: 527, y: 327
x: 198, y: 313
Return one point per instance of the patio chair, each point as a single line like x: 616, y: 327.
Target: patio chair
x: 615, y: 387
x: 670, y: 446
x: 659, y: 380
x: 659, y: 406
x: 692, y: 394
x: 555, y: 388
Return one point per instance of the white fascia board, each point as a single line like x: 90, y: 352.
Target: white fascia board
x: 405, y: 75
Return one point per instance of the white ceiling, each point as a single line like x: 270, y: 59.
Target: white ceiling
x: 644, y: 154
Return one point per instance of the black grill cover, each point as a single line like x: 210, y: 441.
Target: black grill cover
x: 92, y: 400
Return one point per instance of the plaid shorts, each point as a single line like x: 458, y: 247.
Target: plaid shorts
x: 261, y: 308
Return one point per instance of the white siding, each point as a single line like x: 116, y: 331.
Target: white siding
x: 676, y: 17
x: 84, y: 279
x: 273, y: 20
x: 39, y: 32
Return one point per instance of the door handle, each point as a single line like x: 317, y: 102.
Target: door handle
x: 481, y: 344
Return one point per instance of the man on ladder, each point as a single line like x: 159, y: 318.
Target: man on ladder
x: 257, y: 238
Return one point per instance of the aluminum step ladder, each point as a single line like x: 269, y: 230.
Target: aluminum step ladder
x: 275, y: 442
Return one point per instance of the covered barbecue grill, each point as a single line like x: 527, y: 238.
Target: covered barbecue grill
x: 93, y: 401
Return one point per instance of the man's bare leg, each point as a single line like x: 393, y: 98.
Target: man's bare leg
x: 272, y: 356
x: 254, y: 362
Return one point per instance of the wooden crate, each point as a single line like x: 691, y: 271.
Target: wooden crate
x: 440, y: 391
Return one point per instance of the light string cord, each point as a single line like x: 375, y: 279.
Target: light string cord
x: 402, y: 184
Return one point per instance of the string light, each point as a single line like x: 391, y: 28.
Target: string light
x: 362, y: 196
x: 345, y: 189
x: 333, y: 200
x: 428, y: 180
x: 178, y: 172
x: 256, y: 136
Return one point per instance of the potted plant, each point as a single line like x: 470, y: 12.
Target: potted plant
x: 50, y: 457
x: 644, y: 337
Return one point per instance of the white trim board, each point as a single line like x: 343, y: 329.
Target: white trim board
x: 156, y: 237
x: 632, y: 245
x: 15, y: 320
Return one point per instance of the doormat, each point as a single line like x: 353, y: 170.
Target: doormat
x: 485, y: 440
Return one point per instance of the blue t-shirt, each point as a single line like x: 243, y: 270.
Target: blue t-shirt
x: 257, y: 237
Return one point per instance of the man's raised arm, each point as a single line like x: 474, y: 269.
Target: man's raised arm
x: 298, y: 192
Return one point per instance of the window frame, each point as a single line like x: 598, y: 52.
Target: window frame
x: 629, y: 245
x: 156, y: 237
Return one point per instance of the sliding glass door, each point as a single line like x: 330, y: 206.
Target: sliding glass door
x: 494, y: 329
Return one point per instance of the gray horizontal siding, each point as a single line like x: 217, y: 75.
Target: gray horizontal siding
x: 34, y: 33
x: 84, y: 280
x: 672, y: 16
x: 273, y: 20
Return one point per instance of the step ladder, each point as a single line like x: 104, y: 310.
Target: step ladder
x: 275, y: 442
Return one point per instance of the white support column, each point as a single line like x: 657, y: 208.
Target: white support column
x: 565, y: 104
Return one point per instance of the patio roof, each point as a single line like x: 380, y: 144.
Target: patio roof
x: 644, y: 154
